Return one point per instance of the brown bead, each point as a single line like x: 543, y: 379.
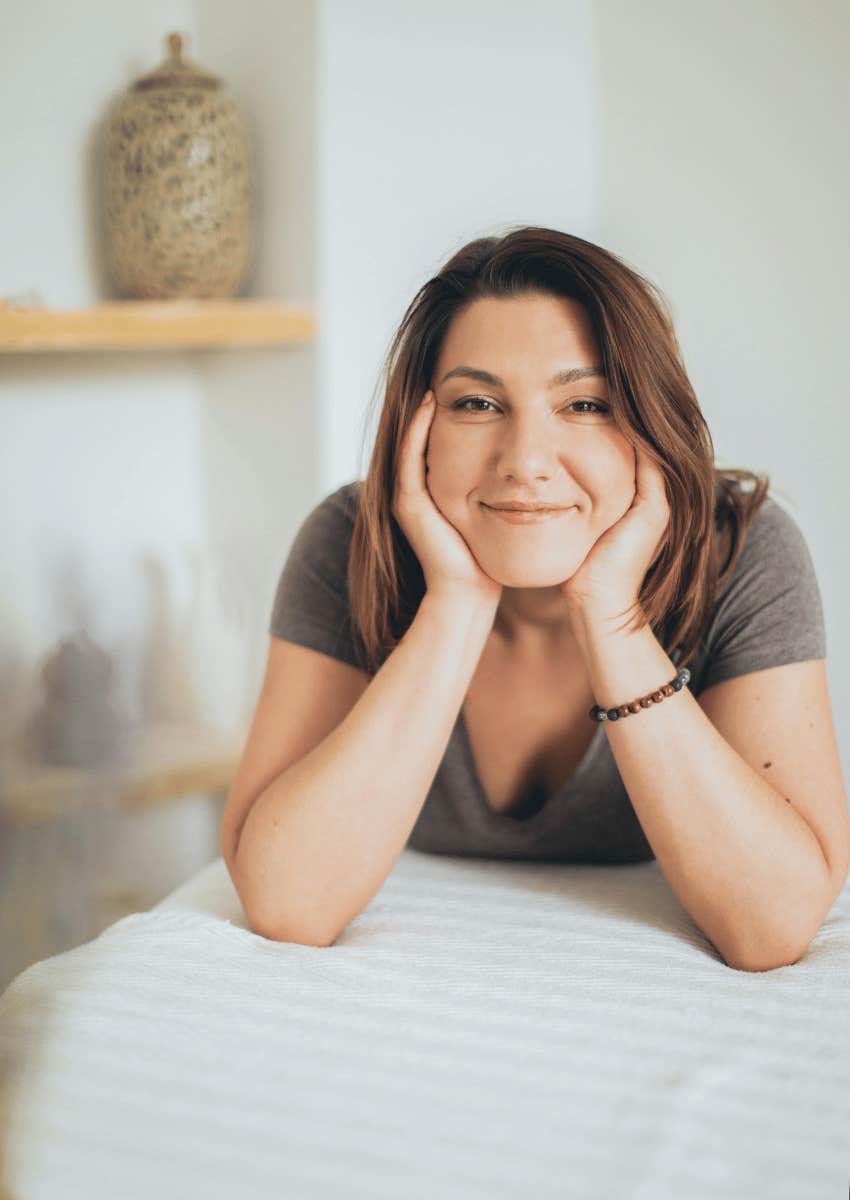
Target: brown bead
x: 634, y: 706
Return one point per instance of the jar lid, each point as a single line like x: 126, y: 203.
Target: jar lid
x: 175, y: 71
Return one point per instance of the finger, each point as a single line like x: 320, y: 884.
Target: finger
x: 412, y: 465
x: 648, y: 476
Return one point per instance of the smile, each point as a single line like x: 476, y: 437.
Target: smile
x: 514, y: 517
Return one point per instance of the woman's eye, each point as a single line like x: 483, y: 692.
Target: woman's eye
x: 460, y: 404
x: 603, y: 408
x: 471, y: 400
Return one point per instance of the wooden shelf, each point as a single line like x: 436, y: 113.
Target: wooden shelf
x: 155, y: 324
x: 161, y: 763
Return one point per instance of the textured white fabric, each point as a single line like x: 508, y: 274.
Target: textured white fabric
x: 483, y: 1029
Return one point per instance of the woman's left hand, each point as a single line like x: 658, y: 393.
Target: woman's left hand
x: 608, y: 582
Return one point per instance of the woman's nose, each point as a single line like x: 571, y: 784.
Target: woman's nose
x: 527, y: 448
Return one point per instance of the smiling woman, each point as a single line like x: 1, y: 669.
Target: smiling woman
x: 446, y: 631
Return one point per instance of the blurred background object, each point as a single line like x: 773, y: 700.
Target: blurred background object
x: 75, y: 724
x: 179, y: 185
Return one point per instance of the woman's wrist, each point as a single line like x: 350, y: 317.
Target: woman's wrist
x: 456, y: 599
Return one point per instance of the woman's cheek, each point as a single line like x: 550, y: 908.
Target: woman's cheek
x: 446, y: 463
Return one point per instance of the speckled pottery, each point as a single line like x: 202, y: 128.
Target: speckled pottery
x: 179, y: 186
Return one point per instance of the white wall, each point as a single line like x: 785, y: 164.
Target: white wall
x: 259, y: 426
x: 725, y: 175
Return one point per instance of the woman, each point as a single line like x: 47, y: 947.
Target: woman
x: 484, y: 645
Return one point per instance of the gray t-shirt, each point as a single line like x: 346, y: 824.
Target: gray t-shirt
x: 770, y: 614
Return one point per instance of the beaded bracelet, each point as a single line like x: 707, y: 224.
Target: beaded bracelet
x: 624, y: 710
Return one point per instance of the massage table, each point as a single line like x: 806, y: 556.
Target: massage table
x: 484, y: 1028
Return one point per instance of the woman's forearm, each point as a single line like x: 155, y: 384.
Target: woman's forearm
x: 319, y: 842
x: 742, y: 861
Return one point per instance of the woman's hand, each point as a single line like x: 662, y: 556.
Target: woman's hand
x: 446, y: 560
x: 607, y: 584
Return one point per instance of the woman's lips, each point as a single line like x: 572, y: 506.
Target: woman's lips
x: 516, y: 517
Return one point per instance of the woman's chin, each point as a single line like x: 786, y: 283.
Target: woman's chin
x: 526, y: 578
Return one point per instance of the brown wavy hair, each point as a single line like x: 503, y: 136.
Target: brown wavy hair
x: 652, y: 403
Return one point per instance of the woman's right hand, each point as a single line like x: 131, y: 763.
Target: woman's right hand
x: 446, y: 560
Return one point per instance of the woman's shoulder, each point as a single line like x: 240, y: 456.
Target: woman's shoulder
x: 311, y: 605
x: 331, y: 519
x: 774, y: 543
x: 344, y: 500
x: 771, y: 611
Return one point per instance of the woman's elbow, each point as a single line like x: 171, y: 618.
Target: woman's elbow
x: 276, y: 930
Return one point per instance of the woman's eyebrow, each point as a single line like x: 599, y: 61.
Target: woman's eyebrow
x: 563, y: 377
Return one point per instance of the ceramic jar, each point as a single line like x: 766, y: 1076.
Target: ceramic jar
x: 178, y: 183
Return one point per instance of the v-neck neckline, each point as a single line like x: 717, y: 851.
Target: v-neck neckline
x: 538, y: 818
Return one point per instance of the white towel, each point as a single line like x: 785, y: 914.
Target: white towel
x: 483, y: 1029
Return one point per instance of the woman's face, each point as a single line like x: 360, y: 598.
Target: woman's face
x: 521, y: 440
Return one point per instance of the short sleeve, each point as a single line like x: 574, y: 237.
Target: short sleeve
x: 772, y: 611
x: 311, y: 605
